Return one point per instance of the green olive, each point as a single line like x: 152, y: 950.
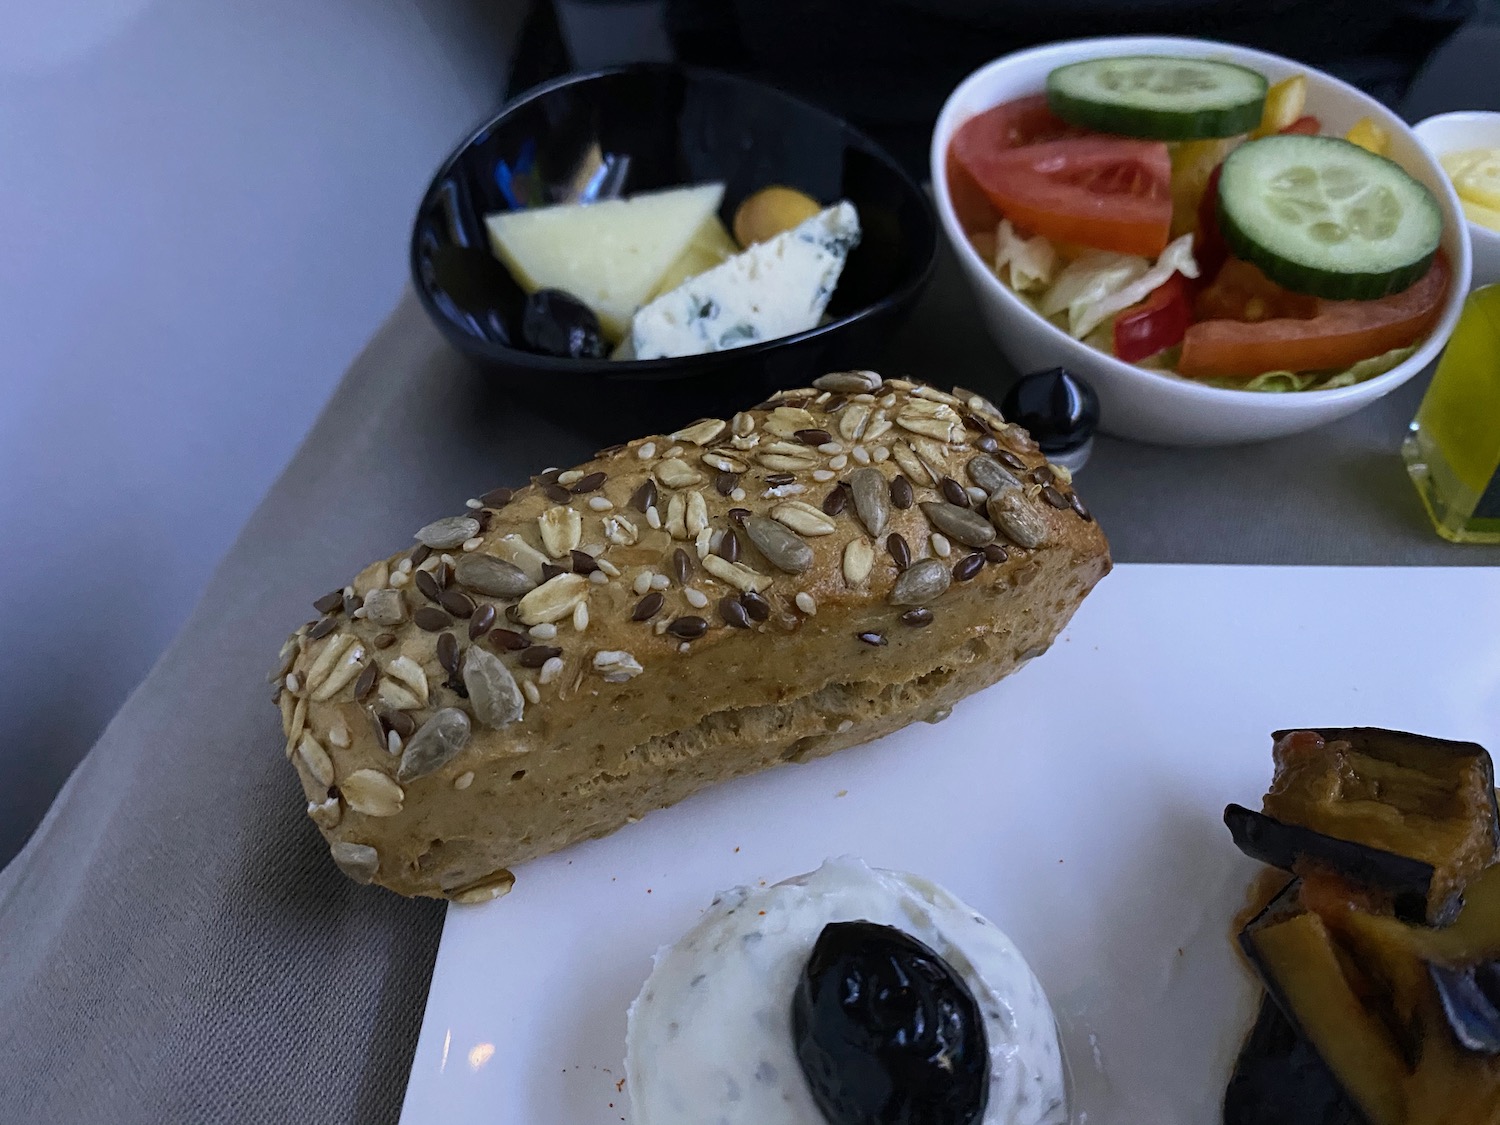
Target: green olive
x: 770, y: 211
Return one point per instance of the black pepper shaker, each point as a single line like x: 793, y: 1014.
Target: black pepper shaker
x: 1061, y: 412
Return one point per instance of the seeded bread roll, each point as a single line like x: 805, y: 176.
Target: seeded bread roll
x: 565, y: 657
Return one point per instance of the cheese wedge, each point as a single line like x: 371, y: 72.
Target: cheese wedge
x: 610, y: 255
x: 774, y: 289
x: 710, y: 246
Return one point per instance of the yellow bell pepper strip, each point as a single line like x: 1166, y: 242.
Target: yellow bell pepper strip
x: 1193, y: 162
x: 1369, y: 135
x: 1285, y: 102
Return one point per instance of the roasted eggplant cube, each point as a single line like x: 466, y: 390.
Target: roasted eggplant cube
x: 1409, y: 815
x: 1359, y: 987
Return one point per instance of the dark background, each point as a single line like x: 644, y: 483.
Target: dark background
x: 888, y: 65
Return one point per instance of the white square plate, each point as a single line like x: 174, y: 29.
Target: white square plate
x: 1076, y: 803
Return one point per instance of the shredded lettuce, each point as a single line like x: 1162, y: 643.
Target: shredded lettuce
x: 1275, y: 382
x: 1086, y: 296
x: 1023, y: 263
x: 1087, y: 280
x: 1176, y: 258
x: 1102, y: 337
x: 1164, y: 360
x: 1368, y: 368
x: 1099, y: 284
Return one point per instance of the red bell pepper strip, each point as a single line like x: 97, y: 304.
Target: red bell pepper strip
x: 1307, y: 125
x: 1209, y: 248
x: 1158, y: 322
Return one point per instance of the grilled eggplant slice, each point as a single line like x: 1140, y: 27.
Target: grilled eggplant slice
x: 1471, y: 1002
x: 1292, y: 847
x: 1279, y: 1079
x: 1362, y: 988
x: 1411, y: 816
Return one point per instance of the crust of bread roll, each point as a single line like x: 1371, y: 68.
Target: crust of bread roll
x: 560, y: 659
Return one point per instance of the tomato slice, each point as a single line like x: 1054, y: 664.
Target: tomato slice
x: 1157, y: 322
x: 1110, y: 193
x: 1009, y: 125
x: 1307, y: 125
x: 975, y: 213
x: 1241, y: 292
x: 1338, y: 334
x: 1025, y: 121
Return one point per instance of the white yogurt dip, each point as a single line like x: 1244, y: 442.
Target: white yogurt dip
x: 710, y: 1036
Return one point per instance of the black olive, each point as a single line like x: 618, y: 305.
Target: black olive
x: 887, y: 1033
x: 1059, y: 409
x: 558, y: 323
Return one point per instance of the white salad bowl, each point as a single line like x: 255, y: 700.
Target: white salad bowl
x: 1454, y: 132
x: 1156, y: 406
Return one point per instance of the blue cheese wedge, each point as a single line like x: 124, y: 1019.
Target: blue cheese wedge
x: 774, y: 289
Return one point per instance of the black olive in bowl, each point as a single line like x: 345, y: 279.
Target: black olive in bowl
x: 557, y: 323
x: 660, y: 126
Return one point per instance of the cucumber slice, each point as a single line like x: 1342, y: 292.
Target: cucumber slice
x: 1320, y: 215
x: 1158, y: 97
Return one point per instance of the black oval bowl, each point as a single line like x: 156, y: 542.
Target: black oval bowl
x: 677, y: 125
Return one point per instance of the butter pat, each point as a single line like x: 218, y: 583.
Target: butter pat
x: 1476, y: 177
x: 610, y: 255
x: 774, y: 289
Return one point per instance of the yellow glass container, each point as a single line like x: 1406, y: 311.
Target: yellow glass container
x: 1452, y: 450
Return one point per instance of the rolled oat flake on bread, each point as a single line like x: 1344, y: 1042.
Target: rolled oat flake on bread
x: 617, y: 648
